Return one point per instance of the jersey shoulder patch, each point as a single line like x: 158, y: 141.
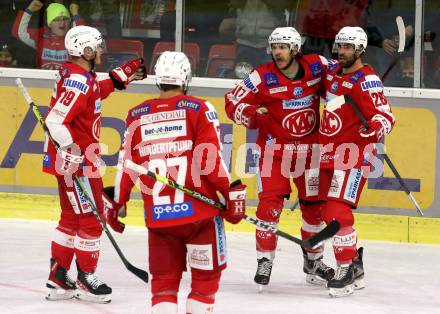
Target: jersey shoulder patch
x: 372, y: 83
x: 76, y: 82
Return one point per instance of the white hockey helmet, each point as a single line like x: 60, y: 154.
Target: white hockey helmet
x: 173, y: 68
x: 80, y: 37
x: 354, y: 35
x: 285, y: 35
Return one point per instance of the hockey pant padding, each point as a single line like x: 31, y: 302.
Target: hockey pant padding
x: 312, y: 223
x: 62, y: 246
x: 269, y: 210
x: 339, y: 211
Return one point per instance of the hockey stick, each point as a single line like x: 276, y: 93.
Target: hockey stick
x: 337, y: 103
x: 143, y: 275
x: 401, y: 47
x: 329, y: 231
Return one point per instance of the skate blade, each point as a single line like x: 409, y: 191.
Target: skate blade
x: 57, y: 294
x: 341, y: 292
x: 260, y: 288
x: 359, y: 283
x: 90, y: 297
x: 316, y: 280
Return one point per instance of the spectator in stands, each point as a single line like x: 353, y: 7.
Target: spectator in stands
x: 252, y: 21
x: 103, y: 15
x: 48, y: 41
x: 6, y: 58
x: 320, y: 20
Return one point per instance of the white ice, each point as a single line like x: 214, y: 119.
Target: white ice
x: 400, y: 278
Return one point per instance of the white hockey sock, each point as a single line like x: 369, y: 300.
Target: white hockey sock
x: 197, y: 307
x: 164, y: 308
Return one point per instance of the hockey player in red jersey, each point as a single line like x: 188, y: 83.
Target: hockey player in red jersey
x: 178, y: 136
x: 281, y: 100
x: 348, y: 149
x: 74, y: 121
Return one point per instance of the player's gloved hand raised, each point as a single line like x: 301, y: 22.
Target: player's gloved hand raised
x: 112, y: 210
x: 374, y: 132
x: 250, y: 116
x: 69, y: 158
x: 127, y: 72
x: 235, y: 198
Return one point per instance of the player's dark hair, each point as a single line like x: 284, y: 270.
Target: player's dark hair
x: 168, y: 87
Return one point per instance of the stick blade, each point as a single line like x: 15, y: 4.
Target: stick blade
x: 329, y: 231
x: 401, y: 29
x: 141, y: 274
x: 335, y: 103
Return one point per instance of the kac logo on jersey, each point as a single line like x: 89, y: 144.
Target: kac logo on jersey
x: 297, y: 92
x: 334, y: 86
x: 188, y: 104
x: 316, y: 69
x: 301, y: 122
x: 331, y: 123
x: 271, y: 79
x: 172, y: 211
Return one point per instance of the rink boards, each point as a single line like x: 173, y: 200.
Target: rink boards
x: 412, y: 146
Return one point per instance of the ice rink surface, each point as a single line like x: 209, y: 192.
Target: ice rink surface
x: 400, y: 278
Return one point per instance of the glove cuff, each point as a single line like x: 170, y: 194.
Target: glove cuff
x: 117, y: 84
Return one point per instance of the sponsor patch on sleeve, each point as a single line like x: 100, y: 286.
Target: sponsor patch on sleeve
x: 372, y: 83
x: 76, y: 82
x: 211, y: 115
x: 316, y: 69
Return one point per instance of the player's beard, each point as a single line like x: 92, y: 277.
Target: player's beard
x: 347, y: 62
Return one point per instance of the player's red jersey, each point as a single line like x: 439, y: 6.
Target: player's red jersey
x: 342, y: 125
x: 294, y: 104
x: 178, y: 138
x: 74, y: 114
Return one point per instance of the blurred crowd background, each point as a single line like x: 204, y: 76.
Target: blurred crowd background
x: 223, y: 38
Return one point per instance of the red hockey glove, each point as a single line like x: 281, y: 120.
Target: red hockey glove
x: 112, y: 209
x: 127, y: 72
x: 69, y: 160
x: 250, y: 116
x: 235, y: 198
x: 374, y: 132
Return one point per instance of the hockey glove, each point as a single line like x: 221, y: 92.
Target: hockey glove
x: 129, y: 71
x: 235, y: 198
x: 374, y: 132
x: 250, y: 116
x: 112, y: 209
x: 69, y: 159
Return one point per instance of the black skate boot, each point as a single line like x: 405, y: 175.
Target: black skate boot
x: 264, y: 270
x: 359, y: 270
x: 317, y: 272
x: 90, y: 288
x: 343, y: 282
x: 61, y: 286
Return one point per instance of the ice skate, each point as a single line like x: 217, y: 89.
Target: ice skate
x: 264, y: 270
x: 60, y: 285
x: 343, y: 282
x: 317, y: 272
x: 90, y: 288
x: 359, y: 270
